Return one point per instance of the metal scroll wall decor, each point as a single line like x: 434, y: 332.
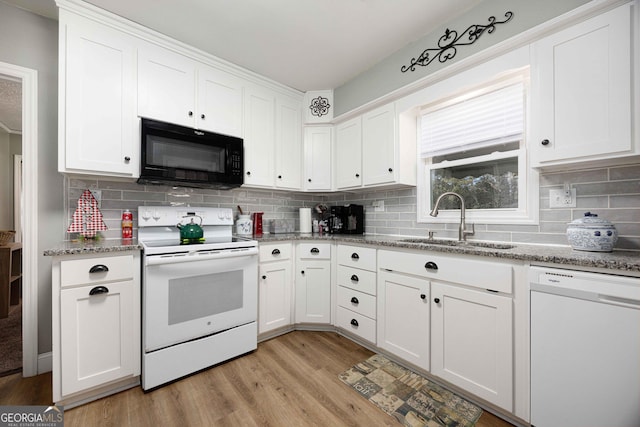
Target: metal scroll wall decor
x: 450, y: 41
x: 320, y: 106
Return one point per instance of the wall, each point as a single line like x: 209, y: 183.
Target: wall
x: 10, y: 145
x: 613, y: 193
x: 386, y: 77
x: 31, y: 41
x: 118, y: 196
x: 6, y: 177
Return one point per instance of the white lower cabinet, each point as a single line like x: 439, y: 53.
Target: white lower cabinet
x: 94, y: 337
x: 451, y: 315
x: 275, y: 286
x: 96, y: 325
x: 356, y: 289
x: 403, y: 317
x: 471, y: 341
x: 313, y: 283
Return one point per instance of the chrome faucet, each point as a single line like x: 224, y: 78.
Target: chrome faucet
x: 462, y: 229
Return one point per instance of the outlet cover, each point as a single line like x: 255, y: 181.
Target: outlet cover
x: 378, y: 206
x: 562, y: 199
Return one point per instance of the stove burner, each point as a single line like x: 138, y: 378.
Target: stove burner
x: 194, y: 241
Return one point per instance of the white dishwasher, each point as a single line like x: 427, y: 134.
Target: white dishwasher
x: 585, y: 349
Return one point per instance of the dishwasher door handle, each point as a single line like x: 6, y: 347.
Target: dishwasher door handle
x: 622, y: 302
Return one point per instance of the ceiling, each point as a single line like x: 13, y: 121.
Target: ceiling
x: 304, y: 44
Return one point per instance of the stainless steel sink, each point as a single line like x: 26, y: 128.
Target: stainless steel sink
x: 446, y: 242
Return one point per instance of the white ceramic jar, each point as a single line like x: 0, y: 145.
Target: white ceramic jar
x: 244, y: 225
x: 592, y: 234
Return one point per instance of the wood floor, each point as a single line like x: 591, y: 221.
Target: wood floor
x: 291, y: 380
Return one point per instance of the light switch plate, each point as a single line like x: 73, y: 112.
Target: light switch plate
x: 562, y: 198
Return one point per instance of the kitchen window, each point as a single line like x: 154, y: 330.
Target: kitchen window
x: 474, y: 144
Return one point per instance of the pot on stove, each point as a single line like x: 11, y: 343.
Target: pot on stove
x: 191, y: 232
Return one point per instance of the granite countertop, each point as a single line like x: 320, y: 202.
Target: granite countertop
x: 628, y: 261
x: 98, y: 246
x: 564, y: 255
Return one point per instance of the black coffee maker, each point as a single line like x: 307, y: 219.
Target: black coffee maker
x: 348, y: 219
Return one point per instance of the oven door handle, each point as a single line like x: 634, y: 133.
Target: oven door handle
x: 173, y: 259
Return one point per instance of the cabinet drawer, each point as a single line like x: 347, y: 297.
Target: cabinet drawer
x: 494, y: 274
x: 355, y: 256
x: 314, y: 251
x: 106, y: 269
x: 359, y: 302
x: 274, y: 251
x: 354, y: 278
x: 356, y: 324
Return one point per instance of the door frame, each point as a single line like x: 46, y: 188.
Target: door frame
x: 29, y: 79
x: 17, y: 196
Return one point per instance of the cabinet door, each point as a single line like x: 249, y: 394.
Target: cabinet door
x: 317, y: 158
x: 379, y: 145
x: 581, y: 90
x: 274, y: 295
x: 313, y: 292
x: 219, y: 102
x: 471, y: 341
x: 259, y: 137
x: 97, y: 343
x: 288, y: 148
x: 403, y: 317
x: 349, y: 154
x: 98, y: 125
x: 166, y: 86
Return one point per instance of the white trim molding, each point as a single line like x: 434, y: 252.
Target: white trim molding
x: 29, y: 80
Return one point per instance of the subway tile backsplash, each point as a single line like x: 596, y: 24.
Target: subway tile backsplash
x: 613, y: 193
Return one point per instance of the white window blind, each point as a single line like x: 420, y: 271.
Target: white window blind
x: 478, y: 122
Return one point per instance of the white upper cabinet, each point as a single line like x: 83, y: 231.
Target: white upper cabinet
x: 259, y: 137
x: 288, y: 143
x: 317, y: 158
x: 379, y: 134
x: 176, y: 89
x: 272, y: 139
x: 98, y: 132
x: 166, y: 86
x: 219, y: 102
x: 376, y: 149
x: 349, y: 154
x: 582, y: 91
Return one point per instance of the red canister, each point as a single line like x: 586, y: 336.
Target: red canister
x: 127, y: 224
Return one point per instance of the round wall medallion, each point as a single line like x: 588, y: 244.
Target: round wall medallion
x: 320, y: 106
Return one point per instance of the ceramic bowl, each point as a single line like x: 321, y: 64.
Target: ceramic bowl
x: 592, y: 234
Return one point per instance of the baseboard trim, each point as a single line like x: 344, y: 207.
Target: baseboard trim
x: 45, y: 362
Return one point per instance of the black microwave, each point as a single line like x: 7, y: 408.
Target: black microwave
x: 184, y: 157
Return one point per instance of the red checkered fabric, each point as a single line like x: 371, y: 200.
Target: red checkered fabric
x: 87, y: 219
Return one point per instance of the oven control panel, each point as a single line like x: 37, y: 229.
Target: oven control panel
x: 155, y: 216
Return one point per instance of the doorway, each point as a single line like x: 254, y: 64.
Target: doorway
x: 28, y: 79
